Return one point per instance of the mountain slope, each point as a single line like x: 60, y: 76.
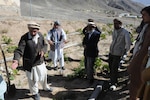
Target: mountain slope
x: 75, y: 9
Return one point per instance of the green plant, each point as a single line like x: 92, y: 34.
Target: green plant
x: 11, y: 49
x: 106, y: 67
x: 131, y: 25
x: 11, y: 77
x: 45, y: 34
x: 104, y: 28
x: 46, y: 54
x: 6, y: 40
x: 13, y: 74
x: 110, y: 25
x: 98, y: 63
x: 79, y: 30
x: 79, y: 72
x: 66, y: 31
x: 103, y: 36
x: 66, y: 58
x: 110, y: 32
x: 100, y: 66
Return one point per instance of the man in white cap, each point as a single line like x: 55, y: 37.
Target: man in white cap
x: 86, y: 28
x: 90, y: 44
x: 31, y: 48
x: 56, y: 37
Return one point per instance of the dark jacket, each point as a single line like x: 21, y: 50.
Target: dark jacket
x: 30, y: 51
x: 91, y: 48
x: 85, y: 29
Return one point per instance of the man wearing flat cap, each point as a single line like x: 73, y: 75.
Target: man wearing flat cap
x: 31, y: 48
x: 120, y: 44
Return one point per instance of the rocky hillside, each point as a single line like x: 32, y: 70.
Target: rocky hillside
x: 9, y: 8
x: 77, y: 9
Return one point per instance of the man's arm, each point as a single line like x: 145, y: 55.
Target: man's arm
x: 18, y: 53
x: 127, y: 40
x: 49, y: 38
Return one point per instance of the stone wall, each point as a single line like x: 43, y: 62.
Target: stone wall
x: 9, y: 7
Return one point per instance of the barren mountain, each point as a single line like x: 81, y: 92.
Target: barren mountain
x: 77, y: 9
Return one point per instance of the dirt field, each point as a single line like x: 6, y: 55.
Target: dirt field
x: 74, y: 89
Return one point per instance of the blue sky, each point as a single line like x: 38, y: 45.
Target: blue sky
x: 145, y: 2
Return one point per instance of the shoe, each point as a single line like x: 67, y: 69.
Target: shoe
x: 113, y: 88
x: 49, y: 90
x: 36, y: 97
x: 55, y: 68
x: 63, y: 68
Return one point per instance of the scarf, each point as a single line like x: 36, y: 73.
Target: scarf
x: 139, y: 40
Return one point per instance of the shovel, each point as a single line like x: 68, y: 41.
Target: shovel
x: 11, y: 89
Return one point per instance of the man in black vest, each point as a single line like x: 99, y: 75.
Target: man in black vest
x: 32, y: 48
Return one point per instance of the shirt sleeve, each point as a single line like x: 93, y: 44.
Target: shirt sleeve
x: 127, y: 40
x: 64, y: 35
x: 48, y: 37
x: 18, y: 53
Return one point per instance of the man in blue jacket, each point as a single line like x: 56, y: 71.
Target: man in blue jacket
x: 90, y: 42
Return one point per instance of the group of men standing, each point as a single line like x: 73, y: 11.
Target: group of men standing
x: 32, y: 47
x: 121, y: 42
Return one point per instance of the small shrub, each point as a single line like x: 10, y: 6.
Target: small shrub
x: 46, y: 54
x: 131, y: 25
x: 103, y: 36
x: 6, y: 40
x: 104, y: 28
x: 67, y: 32
x: 66, y: 58
x: 100, y: 66
x: 79, y: 30
x: 45, y: 34
x: 11, y: 49
x: 110, y: 25
x: 78, y: 72
x: 106, y: 67
x: 14, y: 73
x: 110, y: 32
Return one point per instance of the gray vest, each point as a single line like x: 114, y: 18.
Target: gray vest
x: 57, y: 38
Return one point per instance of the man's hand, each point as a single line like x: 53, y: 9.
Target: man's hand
x: 51, y: 42
x: 41, y: 53
x: 14, y: 64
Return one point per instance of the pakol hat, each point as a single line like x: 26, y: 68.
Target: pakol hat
x: 57, y: 23
x: 33, y: 25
